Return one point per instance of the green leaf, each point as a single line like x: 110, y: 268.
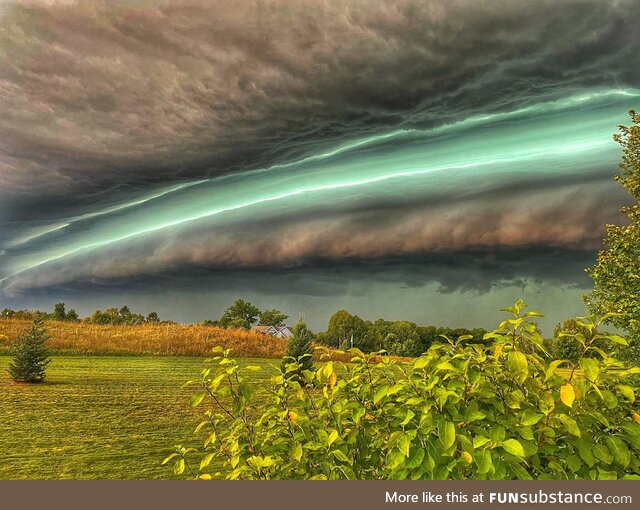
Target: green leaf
x: 403, y: 444
x: 497, y: 433
x: 484, y: 461
x: 332, y: 437
x: 627, y: 392
x: 616, y: 339
x: 551, y: 370
x: 574, y: 463
x: 570, y: 425
x: 297, y: 452
x: 394, y: 458
x: 420, y: 363
x: 514, y: 447
x: 416, y: 456
x: 602, y: 453
x: 178, y: 467
x: 619, y: 450
x: 206, y: 460
x: 196, y: 398
x: 479, y: 441
x: 530, y: 417
x: 380, y: 393
x: 520, y: 472
x: 585, y: 450
x: 590, y: 368
x: 447, y: 433
x: 408, y: 417
x: 518, y: 366
x: 339, y: 454
x: 169, y: 458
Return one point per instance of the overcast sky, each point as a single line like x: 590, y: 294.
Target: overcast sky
x: 430, y: 161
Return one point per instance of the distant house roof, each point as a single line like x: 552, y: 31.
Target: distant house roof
x: 265, y: 330
x: 277, y: 331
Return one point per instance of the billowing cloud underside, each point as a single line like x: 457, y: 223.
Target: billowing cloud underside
x: 145, y: 138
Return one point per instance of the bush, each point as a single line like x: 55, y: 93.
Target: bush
x: 459, y: 411
x: 30, y: 355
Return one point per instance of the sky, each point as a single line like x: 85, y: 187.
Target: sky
x: 430, y: 161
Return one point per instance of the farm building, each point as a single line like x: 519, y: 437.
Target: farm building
x: 277, y: 331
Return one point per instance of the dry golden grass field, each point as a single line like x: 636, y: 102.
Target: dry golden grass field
x: 151, y: 340
x: 148, y: 339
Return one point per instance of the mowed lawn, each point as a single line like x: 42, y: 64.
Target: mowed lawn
x: 100, y: 416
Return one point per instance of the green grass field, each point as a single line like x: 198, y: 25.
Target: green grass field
x: 99, y: 417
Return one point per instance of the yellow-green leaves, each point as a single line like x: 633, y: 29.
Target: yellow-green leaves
x: 459, y: 411
x: 206, y: 460
x: 590, y: 368
x: 196, y: 398
x: 627, y: 392
x: 381, y: 392
x: 567, y: 394
x: 551, y: 370
x: 447, y: 433
x: 619, y: 450
x: 420, y: 363
x: 518, y: 366
x: 514, y: 447
x: 530, y: 417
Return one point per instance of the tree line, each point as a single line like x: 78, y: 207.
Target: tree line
x: 114, y: 315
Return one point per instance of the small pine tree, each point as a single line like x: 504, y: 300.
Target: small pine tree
x: 299, y: 349
x: 30, y: 355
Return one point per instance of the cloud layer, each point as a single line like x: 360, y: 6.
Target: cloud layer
x: 151, y: 138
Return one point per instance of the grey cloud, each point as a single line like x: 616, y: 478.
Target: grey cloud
x: 563, y: 219
x: 120, y: 96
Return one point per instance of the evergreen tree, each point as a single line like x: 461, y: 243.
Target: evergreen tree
x: 299, y: 349
x: 30, y: 355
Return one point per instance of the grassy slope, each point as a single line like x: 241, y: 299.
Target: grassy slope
x: 99, y: 417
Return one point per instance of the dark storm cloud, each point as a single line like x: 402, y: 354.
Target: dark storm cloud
x: 536, y: 228
x: 117, y: 97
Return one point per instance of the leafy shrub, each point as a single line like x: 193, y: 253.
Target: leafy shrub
x: 30, y: 355
x: 459, y: 411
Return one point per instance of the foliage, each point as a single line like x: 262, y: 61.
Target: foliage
x: 458, y: 411
x: 343, y: 327
x: 241, y: 314
x: 564, y: 345
x: 30, y: 355
x: 59, y: 313
x: 400, y: 338
x: 273, y: 317
x: 124, y: 315
x: 616, y: 275
x: 298, y: 357
x: 72, y: 316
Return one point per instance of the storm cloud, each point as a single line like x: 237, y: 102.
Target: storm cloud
x: 154, y: 139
